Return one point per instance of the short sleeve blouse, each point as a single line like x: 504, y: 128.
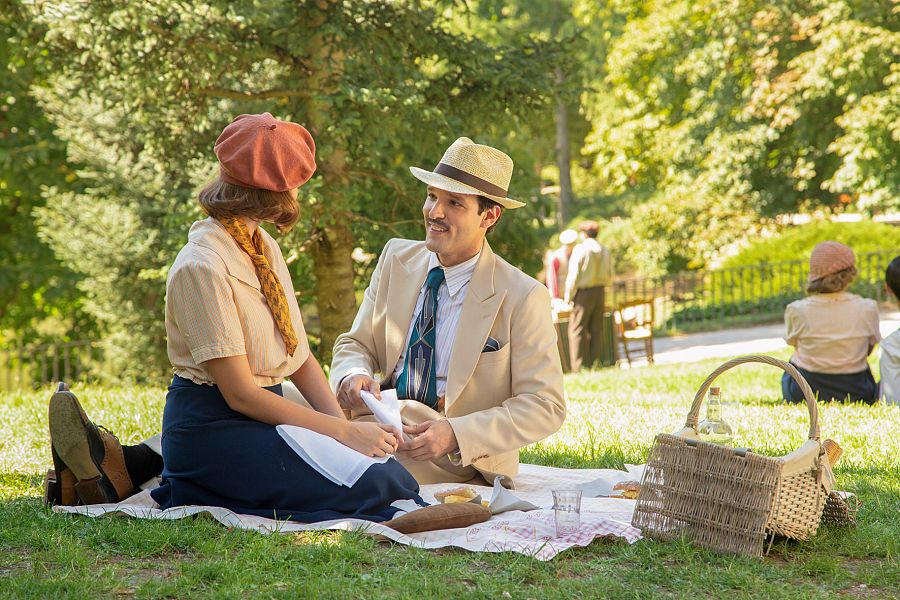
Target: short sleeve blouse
x: 215, y: 308
x: 832, y: 333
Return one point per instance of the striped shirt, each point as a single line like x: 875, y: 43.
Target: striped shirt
x: 449, y: 308
x: 215, y: 309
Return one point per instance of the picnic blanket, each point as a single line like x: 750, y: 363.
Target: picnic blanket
x: 531, y: 533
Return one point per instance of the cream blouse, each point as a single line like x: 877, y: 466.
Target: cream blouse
x: 215, y: 309
x: 832, y: 333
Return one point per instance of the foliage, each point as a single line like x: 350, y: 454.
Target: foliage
x: 141, y: 90
x: 613, y: 417
x: 692, y: 125
x: 37, y: 293
x: 586, y: 29
x: 796, y: 243
x: 738, y: 111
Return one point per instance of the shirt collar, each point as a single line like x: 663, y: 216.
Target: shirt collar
x: 831, y: 297
x: 456, y: 276
x: 212, y: 234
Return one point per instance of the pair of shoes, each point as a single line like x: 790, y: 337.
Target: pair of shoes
x: 88, y: 461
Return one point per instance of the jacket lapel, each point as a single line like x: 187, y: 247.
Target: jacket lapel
x: 478, y: 313
x: 406, y: 280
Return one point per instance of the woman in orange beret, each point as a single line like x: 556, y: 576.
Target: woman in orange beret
x: 234, y: 333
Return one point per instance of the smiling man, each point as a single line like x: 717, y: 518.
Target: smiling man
x: 465, y: 338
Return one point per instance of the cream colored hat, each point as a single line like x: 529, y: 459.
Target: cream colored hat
x: 568, y: 236
x: 470, y: 168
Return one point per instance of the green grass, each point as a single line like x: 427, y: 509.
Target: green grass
x: 613, y: 416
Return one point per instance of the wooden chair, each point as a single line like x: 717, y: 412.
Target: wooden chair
x: 634, y: 329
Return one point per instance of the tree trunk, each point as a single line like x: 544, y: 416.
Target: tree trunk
x: 563, y: 157
x: 334, y: 242
x: 335, y: 292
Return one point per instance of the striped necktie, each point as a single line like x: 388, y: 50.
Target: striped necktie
x: 418, y: 380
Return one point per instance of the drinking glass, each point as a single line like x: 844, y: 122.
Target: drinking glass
x: 567, y: 509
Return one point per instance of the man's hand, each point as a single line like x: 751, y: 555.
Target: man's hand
x: 432, y: 439
x: 348, y: 392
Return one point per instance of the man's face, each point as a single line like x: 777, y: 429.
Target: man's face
x: 453, y: 228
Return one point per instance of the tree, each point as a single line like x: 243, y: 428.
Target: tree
x: 35, y: 287
x: 735, y: 112
x: 143, y: 89
x: 554, y: 138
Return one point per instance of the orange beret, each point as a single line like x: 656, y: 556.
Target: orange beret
x: 259, y: 151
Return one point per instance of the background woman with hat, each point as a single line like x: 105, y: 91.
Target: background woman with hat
x: 556, y: 263
x: 832, y: 331
x: 235, y: 331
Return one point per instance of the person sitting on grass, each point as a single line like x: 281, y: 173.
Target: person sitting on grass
x: 832, y: 331
x: 889, y: 362
x: 234, y: 333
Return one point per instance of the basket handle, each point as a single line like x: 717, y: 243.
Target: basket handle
x: 694, y: 413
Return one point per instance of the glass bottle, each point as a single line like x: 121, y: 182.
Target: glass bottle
x: 714, y: 428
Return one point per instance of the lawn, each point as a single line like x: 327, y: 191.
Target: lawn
x: 613, y: 416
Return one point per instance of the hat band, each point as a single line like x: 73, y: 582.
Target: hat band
x: 471, y: 180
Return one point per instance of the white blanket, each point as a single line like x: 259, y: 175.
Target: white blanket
x: 530, y: 533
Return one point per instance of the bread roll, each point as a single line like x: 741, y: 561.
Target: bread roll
x: 629, y: 489
x: 462, y: 493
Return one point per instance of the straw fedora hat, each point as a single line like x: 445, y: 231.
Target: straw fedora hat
x: 470, y: 168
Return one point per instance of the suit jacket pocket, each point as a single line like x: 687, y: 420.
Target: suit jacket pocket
x: 493, y: 358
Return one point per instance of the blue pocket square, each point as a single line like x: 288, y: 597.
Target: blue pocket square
x: 491, y: 345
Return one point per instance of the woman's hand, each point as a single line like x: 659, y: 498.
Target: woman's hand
x: 372, y: 439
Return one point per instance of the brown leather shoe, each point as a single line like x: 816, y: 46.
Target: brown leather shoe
x: 59, y: 488
x: 91, y: 454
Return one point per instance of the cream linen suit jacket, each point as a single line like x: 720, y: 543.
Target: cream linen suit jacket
x: 497, y: 402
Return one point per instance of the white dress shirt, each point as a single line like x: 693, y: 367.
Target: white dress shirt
x: 451, y: 294
x: 890, y: 368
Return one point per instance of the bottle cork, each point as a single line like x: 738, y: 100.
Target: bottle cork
x: 833, y: 451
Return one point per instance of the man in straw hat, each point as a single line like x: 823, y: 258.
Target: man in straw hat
x: 464, y: 337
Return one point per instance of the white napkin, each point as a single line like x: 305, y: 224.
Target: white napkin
x: 386, y: 410
x: 503, y: 500
x: 339, y: 463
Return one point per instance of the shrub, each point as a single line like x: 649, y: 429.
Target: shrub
x: 796, y: 243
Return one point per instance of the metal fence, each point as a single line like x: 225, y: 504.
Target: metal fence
x: 32, y: 366
x: 696, y: 300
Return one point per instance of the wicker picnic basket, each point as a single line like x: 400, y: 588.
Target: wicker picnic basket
x: 729, y: 500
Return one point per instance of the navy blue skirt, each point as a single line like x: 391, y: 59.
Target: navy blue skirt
x: 215, y: 456
x: 827, y: 387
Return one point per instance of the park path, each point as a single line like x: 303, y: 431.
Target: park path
x: 732, y: 342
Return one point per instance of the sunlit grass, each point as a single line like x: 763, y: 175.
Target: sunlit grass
x: 613, y: 417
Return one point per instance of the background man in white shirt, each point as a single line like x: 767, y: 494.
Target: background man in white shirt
x: 590, y: 271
